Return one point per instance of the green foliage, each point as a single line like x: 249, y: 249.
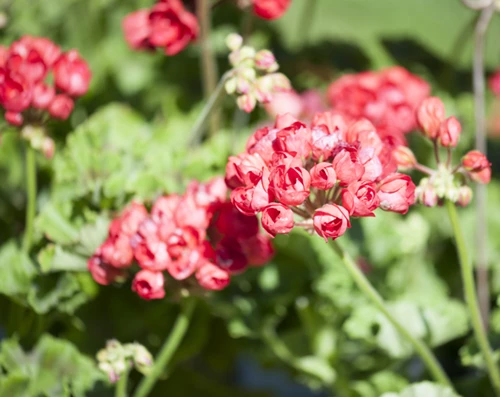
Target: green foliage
x: 424, y: 389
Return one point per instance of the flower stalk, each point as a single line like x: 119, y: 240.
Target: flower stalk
x: 471, y: 298
x: 31, y: 197
x: 168, y: 349
x: 371, y: 293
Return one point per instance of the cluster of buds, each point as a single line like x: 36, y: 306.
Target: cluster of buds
x: 253, y: 77
x: 448, y: 181
x: 116, y: 359
x: 198, y: 234
x: 266, y: 9
x: 36, y: 79
x: 388, y: 98
x: 316, y: 177
x: 166, y: 25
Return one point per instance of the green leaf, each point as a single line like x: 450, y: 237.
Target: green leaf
x: 48, y: 369
x: 16, y: 270
x: 54, y: 258
x: 53, y: 222
x: 317, y: 366
x: 424, y: 389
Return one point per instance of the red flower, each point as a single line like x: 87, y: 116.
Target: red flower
x: 396, y: 193
x: 277, y: 219
x: 258, y: 249
x: 103, y: 273
x: 117, y: 252
x: 323, y: 176
x: 478, y: 166
x: 212, y: 277
x: 14, y: 118
x: 270, y: 9
x: 72, y: 74
x: 172, y: 26
x: 331, y: 221
x: 449, y: 132
x: 347, y: 165
x: 43, y: 95
x: 250, y: 200
x: 360, y: 198
x: 61, y: 107
x: 290, y: 185
x: 137, y: 29
x: 15, y: 92
x: 149, y: 285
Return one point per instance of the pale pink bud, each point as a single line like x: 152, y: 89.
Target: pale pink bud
x: 449, y: 132
x: 404, y: 157
x: 430, y: 115
x: 464, y: 196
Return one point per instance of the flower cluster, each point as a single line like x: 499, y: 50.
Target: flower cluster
x: 270, y: 9
x: 447, y: 181
x: 167, y: 24
x: 199, y: 234
x: 387, y: 98
x: 115, y: 359
x: 37, y: 77
x: 302, y: 106
x: 324, y: 174
x: 253, y: 76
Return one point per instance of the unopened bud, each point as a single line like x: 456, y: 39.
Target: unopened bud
x: 234, y: 41
x: 242, y: 85
x: 48, y: 148
x: 428, y: 196
x: 430, y: 115
x: 246, y: 102
x: 265, y: 60
x: 464, y: 196
x: 404, y: 157
x: 475, y: 161
x: 143, y: 359
x: 246, y: 52
x: 230, y: 85
x: 449, y: 132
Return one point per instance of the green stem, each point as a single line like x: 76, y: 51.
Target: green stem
x: 168, y: 349
x: 121, y: 385
x: 200, y: 124
x: 471, y: 298
x: 371, y: 293
x: 31, y: 197
x: 208, y: 61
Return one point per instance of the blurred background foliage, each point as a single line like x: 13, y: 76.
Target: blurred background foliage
x: 300, y: 318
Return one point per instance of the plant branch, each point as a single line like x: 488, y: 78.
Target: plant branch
x: 371, y: 293
x: 481, y: 193
x: 168, y: 349
x: 208, y: 61
x: 31, y: 197
x: 471, y: 298
x: 200, y: 124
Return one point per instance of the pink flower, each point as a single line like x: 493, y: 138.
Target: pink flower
x: 396, y: 193
x: 136, y: 29
x: 15, y: 92
x: 61, y: 107
x: 475, y: 161
x: 212, y: 277
x: 103, y: 274
x: 360, y: 198
x: 117, y: 252
x: 347, y: 165
x: 149, y: 285
x: 270, y: 9
x: 250, y: 200
x: 172, y: 26
x: 72, y: 74
x: 449, y: 132
x: 43, y: 95
x: 291, y: 185
x: 494, y: 83
x: 331, y: 221
x: 231, y: 222
x: 404, y: 158
x: 258, y: 249
x: 277, y: 219
x: 286, y: 101
x: 14, y: 118
x: 430, y: 115
x: 323, y: 176
x: 229, y: 255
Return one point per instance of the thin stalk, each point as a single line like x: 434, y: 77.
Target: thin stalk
x: 121, y: 385
x: 31, y: 197
x: 168, y: 349
x: 481, y: 193
x: 371, y: 293
x: 200, y: 124
x: 208, y: 61
x: 471, y: 298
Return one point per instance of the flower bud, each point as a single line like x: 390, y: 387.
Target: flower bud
x: 246, y: 52
x: 428, y: 196
x: 323, y: 176
x: 48, y: 147
x: 430, y: 115
x: 331, y: 221
x: 464, y: 196
x: 265, y: 60
x: 143, y: 360
x: 61, y: 107
x: 449, y: 132
x: 14, y: 118
x: 475, y: 161
x: 234, y: 41
x: 230, y: 85
x: 246, y: 102
x: 242, y: 85
x: 404, y: 157
x: 277, y: 219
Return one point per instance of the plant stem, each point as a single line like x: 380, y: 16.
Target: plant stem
x: 208, y: 61
x: 371, y: 293
x: 200, y: 124
x: 471, y: 298
x: 481, y: 193
x: 168, y: 349
x: 31, y: 197
x: 121, y: 385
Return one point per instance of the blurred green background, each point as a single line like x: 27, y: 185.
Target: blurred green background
x: 294, y: 327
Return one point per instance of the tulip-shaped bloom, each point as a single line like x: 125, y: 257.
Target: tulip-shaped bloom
x: 396, y: 193
x: 331, y: 221
x: 277, y: 219
x: 149, y: 285
x: 430, y: 115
